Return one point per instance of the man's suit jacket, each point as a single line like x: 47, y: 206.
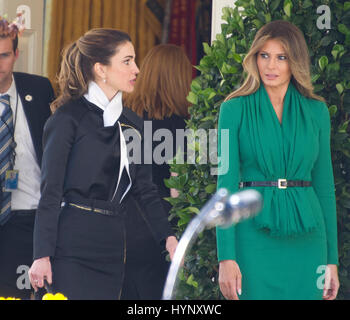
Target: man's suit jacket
x: 36, y: 94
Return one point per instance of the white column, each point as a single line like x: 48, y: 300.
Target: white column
x: 3, y: 7
x: 31, y: 42
x: 217, y: 14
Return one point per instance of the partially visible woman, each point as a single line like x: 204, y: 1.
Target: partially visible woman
x: 279, y: 144
x: 159, y: 97
x: 79, y: 236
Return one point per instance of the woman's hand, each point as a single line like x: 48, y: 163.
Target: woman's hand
x: 173, y: 192
x: 230, y: 279
x: 171, y: 244
x: 40, y: 270
x: 331, y: 285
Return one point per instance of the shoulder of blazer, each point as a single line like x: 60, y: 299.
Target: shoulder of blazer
x: 27, y: 83
x: 133, y: 119
x: 76, y: 109
x: 23, y: 75
x: 26, y: 78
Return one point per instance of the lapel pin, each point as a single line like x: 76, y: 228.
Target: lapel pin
x: 29, y: 98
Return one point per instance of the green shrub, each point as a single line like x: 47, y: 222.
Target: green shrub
x: 221, y: 72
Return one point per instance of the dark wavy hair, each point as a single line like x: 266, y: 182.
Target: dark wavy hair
x: 79, y: 58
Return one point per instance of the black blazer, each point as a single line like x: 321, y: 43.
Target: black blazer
x: 81, y: 164
x: 36, y: 94
x: 162, y: 171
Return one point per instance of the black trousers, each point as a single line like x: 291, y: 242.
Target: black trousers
x: 16, y: 254
x: 146, y: 266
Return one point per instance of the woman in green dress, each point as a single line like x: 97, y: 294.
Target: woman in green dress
x: 279, y: 144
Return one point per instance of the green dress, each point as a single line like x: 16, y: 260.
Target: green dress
x: 283, y: 251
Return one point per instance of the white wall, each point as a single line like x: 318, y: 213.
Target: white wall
x: 31, y: 42
x: 217, y: 14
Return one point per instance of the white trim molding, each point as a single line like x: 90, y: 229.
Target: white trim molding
x: 217, y: 7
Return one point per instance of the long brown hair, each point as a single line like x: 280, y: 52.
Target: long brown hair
x: 79, y: 58
x: 293, y: 42
x: 163, y: 83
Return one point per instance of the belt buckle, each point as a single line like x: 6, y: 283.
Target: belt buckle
x: 279, y: 183
x: 103, y: 211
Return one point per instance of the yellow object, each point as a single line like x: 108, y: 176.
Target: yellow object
x: 2, y: 298
x: 57, y: 296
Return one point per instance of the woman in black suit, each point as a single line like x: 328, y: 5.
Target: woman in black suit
x: 160, y: 98
x: 79, y: 236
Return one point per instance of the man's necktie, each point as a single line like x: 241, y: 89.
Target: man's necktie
x: 6, y: 153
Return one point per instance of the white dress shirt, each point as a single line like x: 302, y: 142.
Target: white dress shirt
x: 27, y: 196
x: 112, y: 111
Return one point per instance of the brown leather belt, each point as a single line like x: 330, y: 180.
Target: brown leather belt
x: 280, y: 183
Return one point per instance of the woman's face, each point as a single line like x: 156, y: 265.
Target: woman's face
x: 273, y: 65
x: 121, y: 73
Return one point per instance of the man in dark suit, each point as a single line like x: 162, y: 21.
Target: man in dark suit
x: 24, y: 108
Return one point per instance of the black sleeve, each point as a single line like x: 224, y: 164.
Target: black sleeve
x: 58, y: 138
x: 50, y: 92
x: 146, y: 192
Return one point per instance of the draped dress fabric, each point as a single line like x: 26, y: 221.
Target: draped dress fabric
x: 283, y: 250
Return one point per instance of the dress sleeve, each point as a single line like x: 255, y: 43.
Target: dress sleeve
x: 58, y: 138
x: 228, y: 173
x: 323, y: 183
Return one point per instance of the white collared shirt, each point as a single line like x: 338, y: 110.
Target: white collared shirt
x: 27, y: 196
x: 112, y: 111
